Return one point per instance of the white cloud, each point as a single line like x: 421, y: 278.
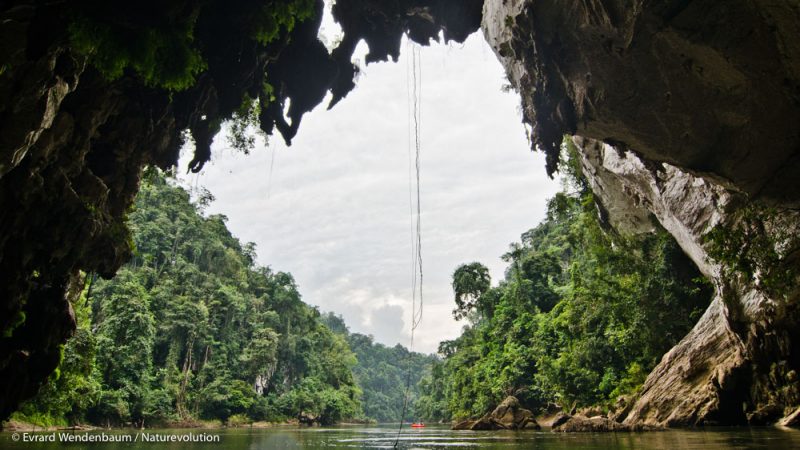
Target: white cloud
x: 335, y: 212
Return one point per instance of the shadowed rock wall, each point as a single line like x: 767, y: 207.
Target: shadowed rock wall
x: 740, y: 362
x: 712, y: 87
x: 688, y: 113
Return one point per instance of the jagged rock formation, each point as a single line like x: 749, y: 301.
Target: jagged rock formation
x: 711, y: 87
x: 688, y: 113
x: 740, y: 362
x: 791, y: 420
x: 74, y: 139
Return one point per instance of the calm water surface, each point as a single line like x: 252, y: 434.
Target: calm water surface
x: 432, y: 437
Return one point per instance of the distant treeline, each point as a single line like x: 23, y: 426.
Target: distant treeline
x: 383, y: 373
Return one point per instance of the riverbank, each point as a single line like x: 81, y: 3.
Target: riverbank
x: 22, y: 426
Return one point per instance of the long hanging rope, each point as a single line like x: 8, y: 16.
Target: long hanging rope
x: 271, y: 166
x: 415, y: 94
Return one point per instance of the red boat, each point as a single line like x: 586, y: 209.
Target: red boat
x: 418, y: 425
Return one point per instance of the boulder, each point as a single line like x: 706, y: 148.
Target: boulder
x: 583, y: 424
x: 463, y: 425
x: 560, y: 419
x: 791, y: 420
x: 305, y: 418
x: 509, y: 415
x: 591, y: 411
x: 578, y: 424
x: 621, y: 408
x: 765, y: 415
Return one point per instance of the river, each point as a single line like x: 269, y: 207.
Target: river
x: 383, y: 436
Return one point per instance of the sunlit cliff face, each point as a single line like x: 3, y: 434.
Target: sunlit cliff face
x: 686, y: 114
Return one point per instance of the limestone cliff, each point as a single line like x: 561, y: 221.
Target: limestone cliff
x: 690, y: 110
x: 740, y: 362
x: 711, y: 87
x: 688, y: 114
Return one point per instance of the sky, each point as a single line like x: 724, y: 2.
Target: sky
x: 333, y: 209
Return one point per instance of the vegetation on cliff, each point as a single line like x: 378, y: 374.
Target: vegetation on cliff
x: 580, y: 318
x: 93, y: 91
x: 192, y: 329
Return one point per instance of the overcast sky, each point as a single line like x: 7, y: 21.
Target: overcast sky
x: 335, y: 210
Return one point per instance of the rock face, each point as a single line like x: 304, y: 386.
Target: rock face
x: 508, y: 415
x: 71, y: 150
x: 560, y: 419
x: 687, y: 113
x: 791, y: 420
x: 743, y: 350
x: 700, y: 85
x: 308, y: 419
x: 582, y: 424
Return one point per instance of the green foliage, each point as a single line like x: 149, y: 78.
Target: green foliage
x: 125, y: 335
x: 580, y: 318
x: 161, y: 57
x: 19, y: 320
x: 329, y: 404
x: 243, y: 125
x: 157, y: 40
x: 431, y: 402
x: 67, y: 394
x: 382, y: 373
x: 192, y: 328
x: 470, y: 282
x: 756, y: 244
x: 276, y: 16
x: 225, y: 397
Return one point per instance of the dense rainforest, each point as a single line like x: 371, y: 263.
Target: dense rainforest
x: 581, y: 317
x: 383, y: 373
x: 94, y: 91
x: 191, y: 328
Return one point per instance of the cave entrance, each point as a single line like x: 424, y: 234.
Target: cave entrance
x: 333, y: 209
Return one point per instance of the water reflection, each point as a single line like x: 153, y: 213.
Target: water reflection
x: 441, y: 438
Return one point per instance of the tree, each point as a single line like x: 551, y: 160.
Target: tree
x: 580, y: 318
x: 125, y: 335
x: 191, y: 327
x: 470, y: 282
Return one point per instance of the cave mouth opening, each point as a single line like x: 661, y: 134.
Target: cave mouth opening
x: 105, y: 90
x: 340, y: 192
x: 64, y: 178
x: 346, y: 169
